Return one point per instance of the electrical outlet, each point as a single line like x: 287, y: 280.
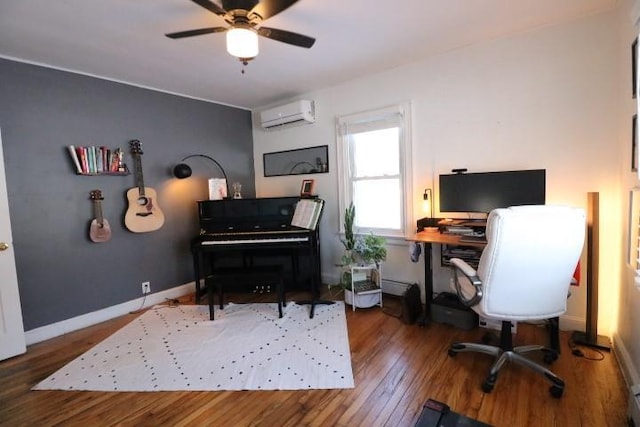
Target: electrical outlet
x: 146, y: 287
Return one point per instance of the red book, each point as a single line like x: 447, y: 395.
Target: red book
x: 82, y: 156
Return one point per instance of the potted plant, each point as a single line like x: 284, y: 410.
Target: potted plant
x: 349, y: 241
x: 360, y: 251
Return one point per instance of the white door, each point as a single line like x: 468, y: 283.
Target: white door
x: 12, y: 340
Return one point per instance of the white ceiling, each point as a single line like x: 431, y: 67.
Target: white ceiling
x: 124, y: 40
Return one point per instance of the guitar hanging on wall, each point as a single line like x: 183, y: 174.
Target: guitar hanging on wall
x: 143, y: 213
x: 99, y: 229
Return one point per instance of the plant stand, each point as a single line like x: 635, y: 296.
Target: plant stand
x: 362, y: 288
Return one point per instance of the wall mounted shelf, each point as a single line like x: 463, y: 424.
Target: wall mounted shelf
x: 116, y: 173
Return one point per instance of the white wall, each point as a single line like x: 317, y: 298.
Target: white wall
x: 542, y: 99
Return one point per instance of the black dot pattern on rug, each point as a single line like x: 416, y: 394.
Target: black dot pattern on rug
x: 247, y: 347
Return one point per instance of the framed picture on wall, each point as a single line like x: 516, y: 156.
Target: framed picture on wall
x: 634, y: 144
x: 307, y: 188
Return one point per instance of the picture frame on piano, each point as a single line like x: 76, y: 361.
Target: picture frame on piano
x: 307, y: 188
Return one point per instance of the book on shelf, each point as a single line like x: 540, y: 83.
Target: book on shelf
x: 98, y: 155
x: 74, y: 156
x: 91, y: 159
x: 82, y: 152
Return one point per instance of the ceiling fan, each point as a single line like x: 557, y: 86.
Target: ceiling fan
x: 244, y: 18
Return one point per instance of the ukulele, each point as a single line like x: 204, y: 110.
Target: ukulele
x: 99, y: 230
x: 143, y: 213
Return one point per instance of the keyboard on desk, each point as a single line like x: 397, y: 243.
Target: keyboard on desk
x: 472, y: 239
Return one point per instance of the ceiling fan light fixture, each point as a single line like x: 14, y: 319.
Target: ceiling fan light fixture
x: 242, y: 43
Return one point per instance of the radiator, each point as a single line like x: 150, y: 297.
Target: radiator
x: 634, y: 404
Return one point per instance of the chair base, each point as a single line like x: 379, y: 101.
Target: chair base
x: 507, y: 353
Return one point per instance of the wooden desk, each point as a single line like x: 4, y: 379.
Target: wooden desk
x: 440, y: 238
x: 427, y: 238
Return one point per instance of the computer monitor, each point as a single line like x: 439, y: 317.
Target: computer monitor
x: 483, y: 192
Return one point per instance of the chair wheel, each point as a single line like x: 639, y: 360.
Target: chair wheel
x: 556, y: 391
x: 487, y: 387
x: 455, y: 348
x: 489, y: 383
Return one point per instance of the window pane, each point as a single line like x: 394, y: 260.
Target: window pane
x: 376, y: 153
x: 378, y: 203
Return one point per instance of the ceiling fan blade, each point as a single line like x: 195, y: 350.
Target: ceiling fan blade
x: 211, y: 7
x: 268, y: 8
x: 286, y: 37
x: 198, y: 32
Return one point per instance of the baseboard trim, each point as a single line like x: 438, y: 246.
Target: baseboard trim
x: 572, y: 323
x: 57, y: 329
x: 628, y: 368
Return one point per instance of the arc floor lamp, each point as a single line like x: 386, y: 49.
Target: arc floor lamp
x: 183, y: 170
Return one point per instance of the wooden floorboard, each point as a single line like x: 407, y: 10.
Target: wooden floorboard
x: 396, y: 368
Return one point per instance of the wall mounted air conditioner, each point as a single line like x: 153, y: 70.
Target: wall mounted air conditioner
x: 298, y: 112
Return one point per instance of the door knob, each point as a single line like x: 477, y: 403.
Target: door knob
x: 4, y: 246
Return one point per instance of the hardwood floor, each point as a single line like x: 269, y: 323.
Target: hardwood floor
x: 396, y: 368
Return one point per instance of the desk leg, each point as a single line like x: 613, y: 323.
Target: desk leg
x: 428, y: 284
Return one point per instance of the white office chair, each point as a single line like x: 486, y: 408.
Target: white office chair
x: 524, y: 274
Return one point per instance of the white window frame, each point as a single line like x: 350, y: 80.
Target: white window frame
x: 402, y: 113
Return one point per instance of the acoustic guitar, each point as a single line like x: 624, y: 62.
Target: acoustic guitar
x: 99, y: 229
x: 143, y: 213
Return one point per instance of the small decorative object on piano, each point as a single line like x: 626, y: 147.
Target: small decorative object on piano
x: 217, y: 188
x: 237, y: 190
x: 307, y: 188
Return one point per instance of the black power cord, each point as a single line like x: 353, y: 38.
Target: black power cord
x: 577, y: 352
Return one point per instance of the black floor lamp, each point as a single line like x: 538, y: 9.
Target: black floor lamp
x: 590, y: 337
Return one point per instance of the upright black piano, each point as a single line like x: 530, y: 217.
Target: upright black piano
x: 237, y: 232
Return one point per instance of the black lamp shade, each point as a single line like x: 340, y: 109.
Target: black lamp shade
x: 181, y: 171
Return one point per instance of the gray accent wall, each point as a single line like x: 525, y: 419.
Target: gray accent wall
x: 61, y: 273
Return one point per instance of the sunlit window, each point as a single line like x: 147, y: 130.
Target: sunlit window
x: 374, y: 158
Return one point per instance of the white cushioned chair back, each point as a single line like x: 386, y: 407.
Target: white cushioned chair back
x: 527, y: 265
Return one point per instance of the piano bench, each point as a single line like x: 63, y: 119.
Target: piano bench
x: 258, y: 275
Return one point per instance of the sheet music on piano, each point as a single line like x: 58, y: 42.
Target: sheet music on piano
x: 307, y: 213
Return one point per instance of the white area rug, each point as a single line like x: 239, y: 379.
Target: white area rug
x: 247, y: 347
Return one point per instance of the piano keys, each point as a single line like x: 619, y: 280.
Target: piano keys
x: 256, y: 241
